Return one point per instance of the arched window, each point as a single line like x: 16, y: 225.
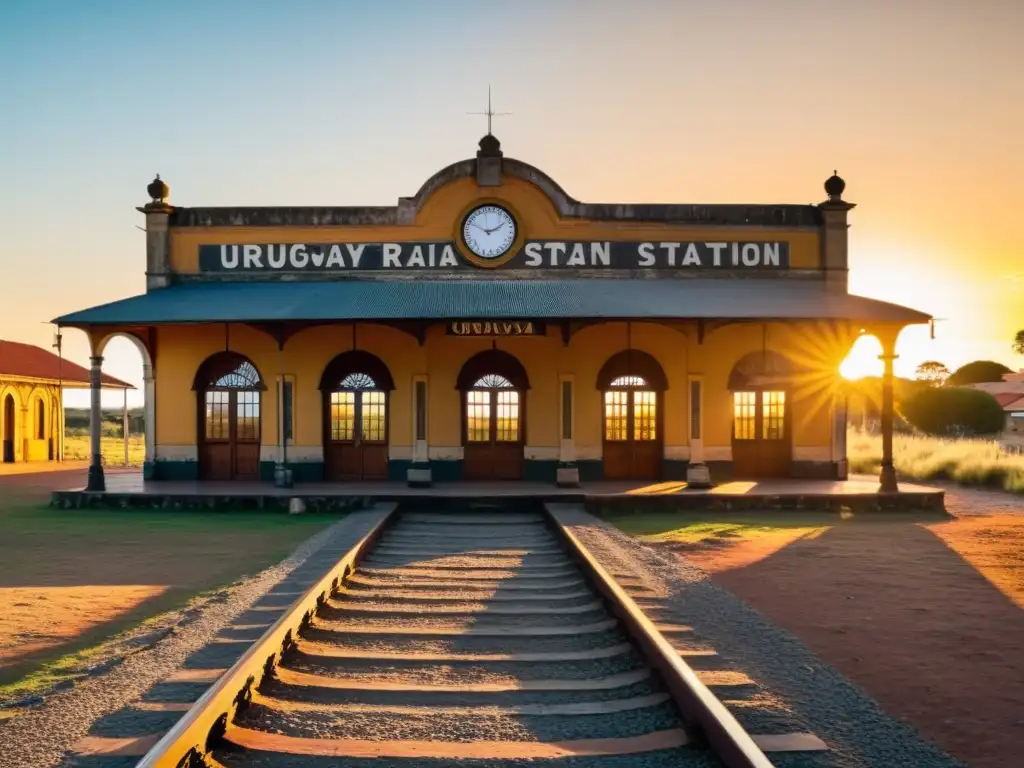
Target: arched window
x: 40, y: 419
x: 761, y: 441
x: 632, y: 383
x: 493, y: 385
x: 355, y: 388
x: 229, y: 391
x: 494, y: 396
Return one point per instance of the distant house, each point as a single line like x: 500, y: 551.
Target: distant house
x: 1009, y: 393
x: 32, y: 381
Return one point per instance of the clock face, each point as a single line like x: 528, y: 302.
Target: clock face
x: 489, y: 231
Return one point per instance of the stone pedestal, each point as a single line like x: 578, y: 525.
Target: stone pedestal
x: 419, y: 477
x: 567, y: 477
x: 283, y: 477
x: 698, y: 476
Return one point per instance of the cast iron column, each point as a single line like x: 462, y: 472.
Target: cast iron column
x: 95, y: 481
x: 887, y: 478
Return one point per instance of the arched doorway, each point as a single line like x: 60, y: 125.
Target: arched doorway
x: 9, y: 429
x: 493, y: 386
x: 229, y: 393
x: 355, y: 387
x: 633, y: 386
x: 762, y: 443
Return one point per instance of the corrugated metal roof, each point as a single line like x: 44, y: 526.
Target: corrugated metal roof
x: 31, y: 362
x: 403, y: 299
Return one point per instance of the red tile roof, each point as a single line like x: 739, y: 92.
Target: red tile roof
x: 17, y: 359
x: 1007, y: 398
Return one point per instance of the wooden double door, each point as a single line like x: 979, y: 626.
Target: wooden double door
x: 230, y: 448
x: 356, y: 440
x: 762, y: 445
x: 493, y: 430
x: 632, y: 446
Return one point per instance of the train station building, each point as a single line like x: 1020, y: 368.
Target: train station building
x: 491, y: 327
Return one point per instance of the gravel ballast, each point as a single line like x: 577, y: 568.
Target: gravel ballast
x: 41, y: 737
x: 817, y: 696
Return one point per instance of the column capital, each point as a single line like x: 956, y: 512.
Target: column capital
x: 96, y: 360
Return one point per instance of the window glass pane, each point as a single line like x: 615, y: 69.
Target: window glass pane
x: 773, y: 412
x: 616, y: 406
x: 217, y: 415
x: 358, y: 381
x: 493, y: 381
x: 421, y: 410
x: 508, y: 416
x: 373, y: 416
x: 343, y: 416
x: 629, y: 381
x: 695, y: 410
x: 645, y: 415
x: 478, y: 416
x: 245, y: 376
x: 289, y: 392
x: 247, y: 414
x: 567, y: 410
x: 744, y: 415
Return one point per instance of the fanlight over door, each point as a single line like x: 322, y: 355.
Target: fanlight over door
x: 229, y: 392
x: 632, y: 430
x: 356, y: 445
x: 493, y: 430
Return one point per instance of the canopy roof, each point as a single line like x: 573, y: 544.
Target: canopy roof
x: 404, y: 299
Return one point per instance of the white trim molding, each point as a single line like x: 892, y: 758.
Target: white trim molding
x: 718, y: 453
x: 445, y: 453
x: 180, y: 452
x: 541, y: 453
x: 812, y: 453
x: 677, y: 452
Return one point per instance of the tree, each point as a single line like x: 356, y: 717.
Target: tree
x: 954, y: 411
x: 976, y: 373
x: 932, y: 372
x: 1018, y: 343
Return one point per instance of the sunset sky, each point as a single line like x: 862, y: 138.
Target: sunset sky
x: 919, y: 104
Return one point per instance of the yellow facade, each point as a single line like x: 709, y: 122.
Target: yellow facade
x: 31, y: 419
x: 547, y: 361
x: 716, y: 362
x: 440, y: 217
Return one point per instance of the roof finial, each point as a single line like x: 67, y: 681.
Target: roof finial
x: 490, y: 113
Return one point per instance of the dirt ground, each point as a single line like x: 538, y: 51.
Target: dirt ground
x: 925, y: 616
x: 71, y: 578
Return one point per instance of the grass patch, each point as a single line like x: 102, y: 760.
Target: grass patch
x: 693, y: 528
x: 63, y: 572
x: 969, y: 462
x: 76, y: 448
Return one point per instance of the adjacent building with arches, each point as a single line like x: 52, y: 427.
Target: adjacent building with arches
x: 491, y: 327
x: 32, y: 381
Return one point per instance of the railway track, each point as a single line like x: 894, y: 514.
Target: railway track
x: 488, y: 636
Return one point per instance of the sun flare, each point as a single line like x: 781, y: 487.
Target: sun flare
x: 862, y: 360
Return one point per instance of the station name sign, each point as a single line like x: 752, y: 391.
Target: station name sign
x: 534, y: 254
x: 495, y: 328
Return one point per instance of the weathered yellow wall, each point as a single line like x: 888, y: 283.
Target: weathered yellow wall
x: 443, y: 211
x: 27, y: 394
x: 180, y: 351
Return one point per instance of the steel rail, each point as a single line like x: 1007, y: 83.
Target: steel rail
x: 201, y: 728
x: 698, y: 705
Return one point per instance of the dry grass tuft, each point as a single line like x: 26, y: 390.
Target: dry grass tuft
x: 972, y: 462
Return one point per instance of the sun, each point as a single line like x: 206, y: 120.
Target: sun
x: 862, y: 360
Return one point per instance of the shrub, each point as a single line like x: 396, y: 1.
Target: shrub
x: 977, y: 372
x: 954, y: 410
